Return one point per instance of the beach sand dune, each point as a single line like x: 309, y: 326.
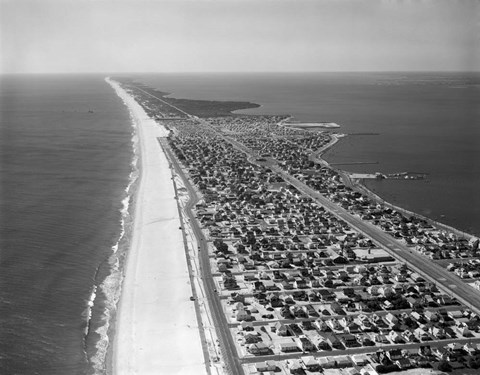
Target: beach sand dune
x: 156, y: 328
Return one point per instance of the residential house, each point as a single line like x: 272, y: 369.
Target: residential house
x: 334, y: 324
x: 390, y: 318
x: 321, y: 343
x: 343, y: 361
x: 438, y: 333
x: 403, y: 363
x: 432, y: 316
x: 243, y: 315
x: 352, y: 328
x: 288, y: 346
x: 295, y: 367
x: 359, y: 359
x: 421, y: 335
x: 280, y: 329
x: 266, y: 366
x: 270, y: 285
x: 321, y: 325
x: 380, y: 338
x: 364, y: 322
x: 471, y: 349
x: 348, y: 340
x: 394, y: 354
x: 305, y: 344
x: 327, y: 362
x: 455, y: 314
x: 337, y: 308
x: 246, y: 326
x: 333, y: 341
x: 395, y: 337
x: 310, y: 363
x: 258, y: 348
x: 464, y: 331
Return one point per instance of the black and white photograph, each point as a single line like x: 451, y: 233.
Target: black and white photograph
x: 239, y: 187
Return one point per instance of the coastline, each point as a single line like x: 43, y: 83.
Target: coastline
x: 359, y: 185
x: 111, y: 286
x: 151, y: 332
x: 184, y: 224
x: 190, y: 105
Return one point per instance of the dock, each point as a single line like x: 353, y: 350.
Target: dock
x: 355, y: 163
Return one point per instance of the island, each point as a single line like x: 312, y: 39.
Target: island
x: 271, y: 260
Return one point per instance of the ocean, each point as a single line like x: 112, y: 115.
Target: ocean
x: 67, y: 167
x: 397, y: 122
x: 66, y: 158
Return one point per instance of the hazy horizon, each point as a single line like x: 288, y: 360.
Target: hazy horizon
x: 213, y: 36
x: 249, y: 72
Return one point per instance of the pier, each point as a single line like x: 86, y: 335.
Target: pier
x: 355, y: 163
x: 363, y: 133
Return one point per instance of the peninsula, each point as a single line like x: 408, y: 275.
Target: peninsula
x: 290, y: 269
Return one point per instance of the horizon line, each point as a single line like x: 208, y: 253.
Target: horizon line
x: 239, y: 72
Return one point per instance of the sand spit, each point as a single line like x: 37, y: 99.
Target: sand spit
x: 156, y: 330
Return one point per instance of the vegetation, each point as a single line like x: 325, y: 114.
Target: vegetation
x: 444, y: 366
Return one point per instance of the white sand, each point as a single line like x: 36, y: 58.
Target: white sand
x: 156, y: 327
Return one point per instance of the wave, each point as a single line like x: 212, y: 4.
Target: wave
x: 87, y: 313
x: 110, y: 287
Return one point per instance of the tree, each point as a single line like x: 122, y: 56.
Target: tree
x: 472, y: 363
x: 220, y: 245
x: 444, y: 366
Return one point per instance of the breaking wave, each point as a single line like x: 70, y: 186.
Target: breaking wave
x: 109, y: 290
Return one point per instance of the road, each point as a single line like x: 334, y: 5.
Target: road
x: 227, y: 345
x: 356, y: 350
x: 165, y: 102
x: 445, y: 280
x: 450, y: 283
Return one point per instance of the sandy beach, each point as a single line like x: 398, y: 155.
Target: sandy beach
x: 156, y: 330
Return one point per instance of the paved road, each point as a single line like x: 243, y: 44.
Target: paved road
x: 164, y: 102
x: 358, y: 350
x: 448, y: 282
x: 218, y: 315
x: 431, y: 271
x: 424, y: 266
x: 190, y: 273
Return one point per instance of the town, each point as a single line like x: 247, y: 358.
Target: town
x: 303, y: 287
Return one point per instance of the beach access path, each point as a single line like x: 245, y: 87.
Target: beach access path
x: 156, y: 330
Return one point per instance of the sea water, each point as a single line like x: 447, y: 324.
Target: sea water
x: 397, y: 122
x: 67, y: 168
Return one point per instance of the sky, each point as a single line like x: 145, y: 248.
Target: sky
x: 77, y: 36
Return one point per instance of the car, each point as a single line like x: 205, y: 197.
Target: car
x: 192, y: 298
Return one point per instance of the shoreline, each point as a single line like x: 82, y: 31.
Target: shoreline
x: 317, y: 156
x: 288, y: 122
x: 151, y: 331
x: 122, y: 258
x: 359, y: 185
